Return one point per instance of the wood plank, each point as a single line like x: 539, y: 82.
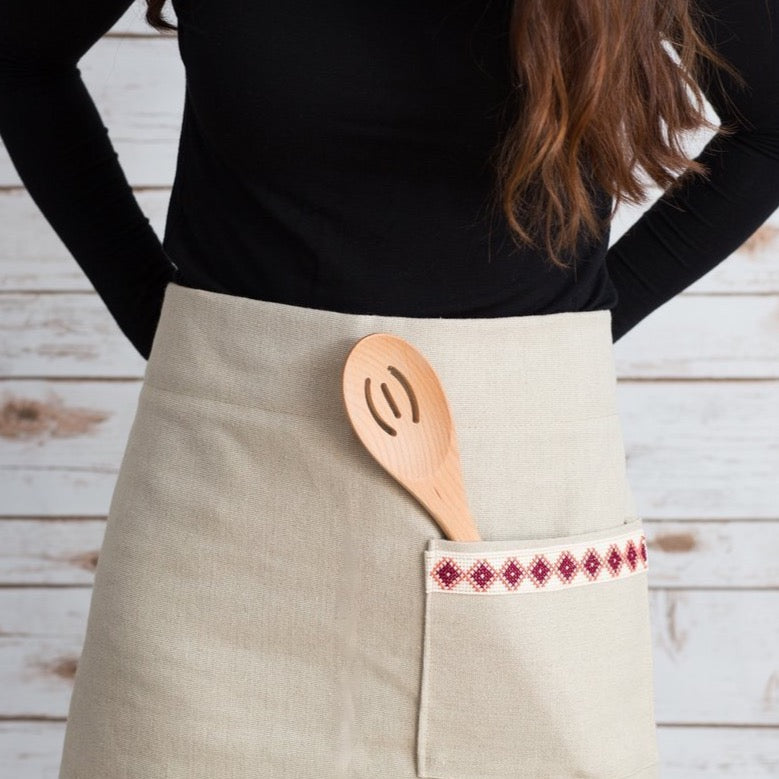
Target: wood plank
x: 43, y: 334
x: 689, y: 554
x: 713, y: 554
x: 698, y: 636
x: 702, y: 449
x: 32, y: 750
x: 695, y: 450
x: 50, y: 551
x: 695, y: 336
x: 36, y: 673
x: 718, y: 753
x: 690, y: 337
x: 61, y: 444
x: 714, y: 655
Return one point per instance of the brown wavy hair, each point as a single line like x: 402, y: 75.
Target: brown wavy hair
x: 602, y: 98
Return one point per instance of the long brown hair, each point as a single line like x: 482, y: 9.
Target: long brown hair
x: 602, y: 98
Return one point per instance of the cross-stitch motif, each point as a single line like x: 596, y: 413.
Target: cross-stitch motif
x: 532, y: 570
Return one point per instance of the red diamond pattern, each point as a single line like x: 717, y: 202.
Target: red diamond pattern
x: 631, y: 555
x: 447, y: 573
x: 566, y: 567
x: 540, y: 570
x: 506, y: 572
x: 614, y: 560
x: 592, y: 564
x: 512, y: 573
x: 481, y: 575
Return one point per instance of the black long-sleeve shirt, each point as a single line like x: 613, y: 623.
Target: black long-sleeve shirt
x: 335, y: 156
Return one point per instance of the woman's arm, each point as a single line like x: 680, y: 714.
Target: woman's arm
x: 61, y: 150
x: 683, y: 236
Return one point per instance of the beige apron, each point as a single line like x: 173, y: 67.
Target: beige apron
x: 269, y: 602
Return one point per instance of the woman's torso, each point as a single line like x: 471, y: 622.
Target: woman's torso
x: 338, y: 157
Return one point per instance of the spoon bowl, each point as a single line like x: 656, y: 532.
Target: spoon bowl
x: 398, y: 409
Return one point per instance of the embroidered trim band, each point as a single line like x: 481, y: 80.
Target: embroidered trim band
x: 531, y: 570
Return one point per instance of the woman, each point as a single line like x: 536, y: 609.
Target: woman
x: 269, y: 601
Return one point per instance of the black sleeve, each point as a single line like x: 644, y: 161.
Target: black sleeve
x: 681, y: 237
x: 62, y: 152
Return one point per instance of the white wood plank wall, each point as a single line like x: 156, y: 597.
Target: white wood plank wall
x: 699, y: 393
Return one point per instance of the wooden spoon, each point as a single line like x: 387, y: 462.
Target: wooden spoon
x: 399, y: 411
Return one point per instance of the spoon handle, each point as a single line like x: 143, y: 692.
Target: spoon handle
x: 444, y: 498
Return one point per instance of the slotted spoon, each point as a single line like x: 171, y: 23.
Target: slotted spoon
x: 398, y: 409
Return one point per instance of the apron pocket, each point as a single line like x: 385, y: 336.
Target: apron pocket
x: 537, y: 658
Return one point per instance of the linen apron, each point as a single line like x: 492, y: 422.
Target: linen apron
x: 270, y: 602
